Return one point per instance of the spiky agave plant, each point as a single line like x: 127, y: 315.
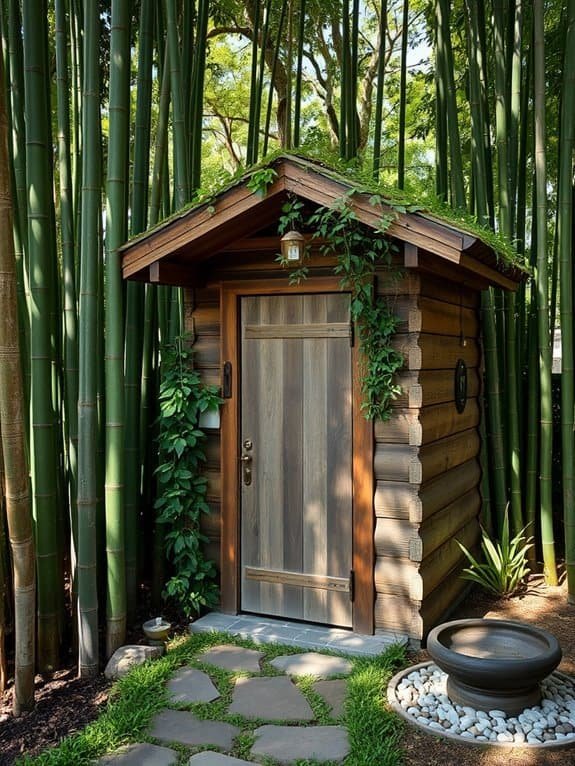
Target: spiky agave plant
x: 505, y: 564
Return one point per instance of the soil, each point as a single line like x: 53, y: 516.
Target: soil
x: 66, y: 704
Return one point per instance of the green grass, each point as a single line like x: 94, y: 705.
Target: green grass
x: 374, y: 731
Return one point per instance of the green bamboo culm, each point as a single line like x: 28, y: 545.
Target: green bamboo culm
x: 541, y: 278
x: 505, y: 227
x: 442, y: 15
x: 44, y: 468
x: 345, y: 82
x: 116, y: 232
x: 88, y: 335
x: 70, y: 310
x: 181, y: 180
x: 565, y: 204
x: 197, y: 110
x: 378, y: 126
x: 402, y: 98
x: 299, y: 74
x: 13, y: 444
x: 17, y: 147
x: 133, y: 341
x: 253, y: 120
x: 276, y: 52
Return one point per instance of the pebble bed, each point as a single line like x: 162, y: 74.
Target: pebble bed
x: 420, y: 697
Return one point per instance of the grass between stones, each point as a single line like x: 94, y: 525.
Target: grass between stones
x: 373, y: 729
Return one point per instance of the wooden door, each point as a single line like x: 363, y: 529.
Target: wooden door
x: 296, y: 445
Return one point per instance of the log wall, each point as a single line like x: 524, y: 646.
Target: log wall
x: 426, y: 456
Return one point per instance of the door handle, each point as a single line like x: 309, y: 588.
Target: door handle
x: 246, y: 461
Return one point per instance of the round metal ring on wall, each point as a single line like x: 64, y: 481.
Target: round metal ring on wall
x: 460, y: 385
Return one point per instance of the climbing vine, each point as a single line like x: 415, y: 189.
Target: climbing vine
x: 359, y: 255
x: 181, y: 486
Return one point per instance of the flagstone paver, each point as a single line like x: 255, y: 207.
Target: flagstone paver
x: 273, y: 699
x: 209, y: 758
x: 233, y: 658
x: 312, y: 664
x: 333, y: 692
x: 288, y: 744
x: 141, y: 754
x: 180, y: 726
x: 190, y: 685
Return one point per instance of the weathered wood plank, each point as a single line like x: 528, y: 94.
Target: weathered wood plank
x: 440, y: 456
x: 395, y: 537
x: 442, y: 526
x: 397, y: 577
x: 448, y: 487
x: 416, y: 427
x: 397, y: 462
x: 315, y: 330
x: 299, y: 579
x: 398, y: 614
x: 424, y: 351
x: 439, y: 565
x: 432, y: 286
x: 442, y: 601
x: 206, y: 319
x: 398, y: 500
x: 442, y: 318
x: 429, y: 387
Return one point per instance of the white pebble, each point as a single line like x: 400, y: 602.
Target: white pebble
x: 505, y: 736
x: 467, y: 721
x: 497, y: 714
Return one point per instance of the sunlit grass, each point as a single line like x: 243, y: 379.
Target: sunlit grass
x: 374, y: 731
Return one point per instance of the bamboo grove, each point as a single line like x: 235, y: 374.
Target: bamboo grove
x: 114, y: 115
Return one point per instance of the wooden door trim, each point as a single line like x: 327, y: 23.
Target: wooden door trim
x: 362, y: 458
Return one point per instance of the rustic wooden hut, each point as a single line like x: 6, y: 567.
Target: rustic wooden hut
x: 319, y: 514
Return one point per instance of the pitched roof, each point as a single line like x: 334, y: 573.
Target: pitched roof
x: 189, y: 238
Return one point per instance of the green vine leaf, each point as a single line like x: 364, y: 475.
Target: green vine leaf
x: 182, y: 488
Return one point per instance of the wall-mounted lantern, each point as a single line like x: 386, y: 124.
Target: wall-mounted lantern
x: 293, y: 247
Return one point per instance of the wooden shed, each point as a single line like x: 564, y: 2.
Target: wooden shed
x: 320, y: 515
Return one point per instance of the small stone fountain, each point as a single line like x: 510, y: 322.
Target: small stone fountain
x: 156, y: 631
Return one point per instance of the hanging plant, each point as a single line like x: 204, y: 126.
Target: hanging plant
x: 182, y: 486
x: 359, y: 255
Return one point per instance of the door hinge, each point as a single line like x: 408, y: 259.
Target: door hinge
x: 351, y: 585
x: 351, y: 334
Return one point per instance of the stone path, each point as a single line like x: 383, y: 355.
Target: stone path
x: 269, y: 700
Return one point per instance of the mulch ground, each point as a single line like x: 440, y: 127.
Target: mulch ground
x: 65, y: 704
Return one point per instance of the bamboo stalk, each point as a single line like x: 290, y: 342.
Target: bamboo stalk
x: 379, y: 90
x: 44, y: 468
x: 565, y: 202
x: 273, y: 75
x: 89, y: 349
x: 70, y: 312
x: 299, y: 72
x: 546, y: 442
x: 402, y: 97
x: 18, y: 501
x: 116, y: 231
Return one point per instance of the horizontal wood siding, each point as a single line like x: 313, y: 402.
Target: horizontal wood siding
x: 426, y: 455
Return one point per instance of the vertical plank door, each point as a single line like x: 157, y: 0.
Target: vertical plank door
x: 296, y: 442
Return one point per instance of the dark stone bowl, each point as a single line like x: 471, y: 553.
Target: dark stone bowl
x: 494, y: 664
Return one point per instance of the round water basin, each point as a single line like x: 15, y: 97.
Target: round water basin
x: 156, y: 630
x: 494, y: 664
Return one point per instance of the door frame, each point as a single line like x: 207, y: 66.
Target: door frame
x: 363, y: 519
